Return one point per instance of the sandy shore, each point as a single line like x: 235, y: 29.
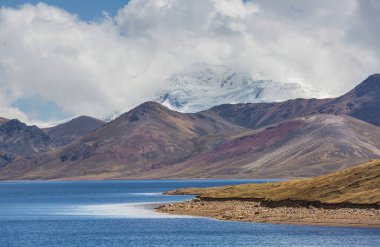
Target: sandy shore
x: 255, y: 212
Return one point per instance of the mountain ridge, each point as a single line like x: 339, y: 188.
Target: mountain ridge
x: 307, y: 146
x: 362, y: 102
x: 294, y: 138
x: 68, y: 132
x: 150, y: 136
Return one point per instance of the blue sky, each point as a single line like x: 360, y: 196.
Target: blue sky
x: 88, y: 10
x: 85, y: 9
x: 41, y: 109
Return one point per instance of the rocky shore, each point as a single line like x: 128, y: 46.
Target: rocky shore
x: 248, y: 211
x: 349, y: 197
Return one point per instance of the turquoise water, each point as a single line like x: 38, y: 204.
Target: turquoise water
x: 113, y: 213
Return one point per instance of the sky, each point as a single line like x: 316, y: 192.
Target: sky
x: 87, y: 10
x: 60, y: 59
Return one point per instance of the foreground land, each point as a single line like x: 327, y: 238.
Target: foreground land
x: 349, y: 197
x: 255, y: 212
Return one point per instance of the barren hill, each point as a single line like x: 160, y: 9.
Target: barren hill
x: 74, y: 129
x: 308, y: 146
x: 148, y: 137
x: 359, y: 185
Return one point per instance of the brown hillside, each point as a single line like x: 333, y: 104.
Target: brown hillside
x: 357, y: 185
x: 146, y: 138
x: 362, y: 102
x: 302, y: 147
x: 74, y: 129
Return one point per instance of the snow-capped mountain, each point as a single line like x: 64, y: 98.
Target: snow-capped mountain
x: 208, y: 86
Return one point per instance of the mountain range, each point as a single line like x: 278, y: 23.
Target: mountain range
x: 293, y: 138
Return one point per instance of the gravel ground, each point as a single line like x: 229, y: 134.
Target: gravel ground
x: 255, y: 212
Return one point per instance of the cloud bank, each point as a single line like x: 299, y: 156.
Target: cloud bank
x: 96, y: 68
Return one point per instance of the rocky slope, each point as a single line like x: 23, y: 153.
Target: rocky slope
x: 146, y: 138
x: 363, y: 102
x: 154, y: 142
x: 72, y: 130
x: 257, y: 115
x: 22, y: 147
x: 17, y: 140
x: 3, y: 120
x: 307, y: 146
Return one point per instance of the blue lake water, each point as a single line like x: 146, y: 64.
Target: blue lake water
x: 112, y: 213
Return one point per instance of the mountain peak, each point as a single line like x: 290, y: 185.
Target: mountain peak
x: 82, y: 118
x: 19, y: 138
x: 374, y: 76
x: 149, y: 105
x: 143, y: 110
x: 13, y: 126
x: 67, y: 132
x: 362, y: 102
x: 205, y: 86
x: 370, y: 86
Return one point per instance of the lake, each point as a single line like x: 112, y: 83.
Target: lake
x: 114, y: 213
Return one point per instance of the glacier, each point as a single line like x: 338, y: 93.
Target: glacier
x: 206, y: 86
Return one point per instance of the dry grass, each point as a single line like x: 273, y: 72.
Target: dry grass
x: 357, y: 185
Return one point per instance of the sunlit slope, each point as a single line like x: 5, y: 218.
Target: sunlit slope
x: 357, y: 185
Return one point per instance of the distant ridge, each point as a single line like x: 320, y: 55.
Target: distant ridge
x: 72, y: 130
x: 19, y: 140
x: 300, y: 147
x: 363, y: 102
x: 295, y: 138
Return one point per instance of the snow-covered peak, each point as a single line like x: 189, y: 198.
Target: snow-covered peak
x: 208, y: 86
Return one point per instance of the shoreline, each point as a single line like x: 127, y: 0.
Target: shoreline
x: 248, y: 211
x: 79, y: 179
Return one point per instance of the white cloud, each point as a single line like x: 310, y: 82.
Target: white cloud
x: 96, y: 68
